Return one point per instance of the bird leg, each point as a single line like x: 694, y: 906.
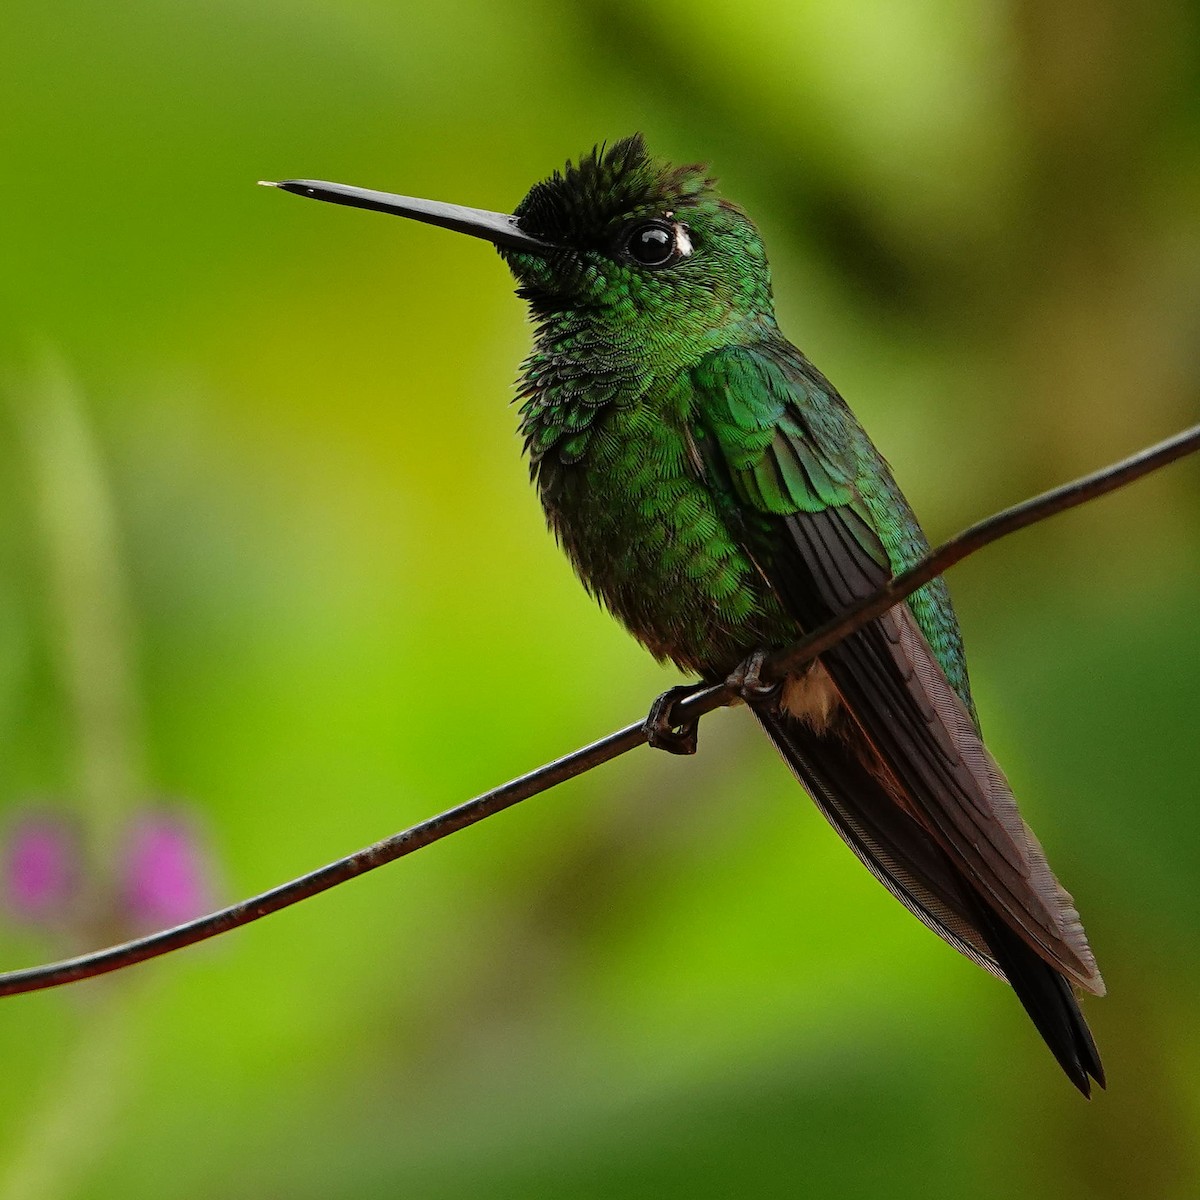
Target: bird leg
x: 666, y: 731
x: 746, y: 682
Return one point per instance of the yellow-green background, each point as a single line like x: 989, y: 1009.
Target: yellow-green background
x: 267, y: 546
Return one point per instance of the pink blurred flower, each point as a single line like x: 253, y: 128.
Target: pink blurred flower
x: 42, y: 866
x: 165, y: 874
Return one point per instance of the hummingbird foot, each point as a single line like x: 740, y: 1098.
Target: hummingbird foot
x: 746, y: 682
x: 664, y: 730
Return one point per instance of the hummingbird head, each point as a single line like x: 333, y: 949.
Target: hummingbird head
x: 618, y: 239
x: 636, y: 237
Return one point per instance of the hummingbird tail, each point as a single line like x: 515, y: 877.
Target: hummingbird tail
x: 902, y: 855
x: 1049, y: 1000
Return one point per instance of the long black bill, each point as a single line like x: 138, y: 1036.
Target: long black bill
x: 498, y: 228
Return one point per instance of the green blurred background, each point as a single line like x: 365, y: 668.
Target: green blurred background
x: 267, y: 548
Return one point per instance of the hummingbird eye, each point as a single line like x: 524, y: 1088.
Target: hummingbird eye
x: 657, y: 243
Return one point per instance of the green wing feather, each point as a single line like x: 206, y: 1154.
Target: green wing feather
x: 786, y: 443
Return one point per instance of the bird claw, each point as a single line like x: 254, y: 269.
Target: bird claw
x: 746, y: 681
x: 664, y: 730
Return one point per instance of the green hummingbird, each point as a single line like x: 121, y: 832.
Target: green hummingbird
x: 713, y: 490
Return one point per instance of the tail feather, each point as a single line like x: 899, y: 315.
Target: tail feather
x: 1049, y: 1000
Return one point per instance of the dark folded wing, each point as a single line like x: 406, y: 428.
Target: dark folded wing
x: 899, y: 852
x: 768, y: 434
x: 899, y: 696
x: 891, y: 844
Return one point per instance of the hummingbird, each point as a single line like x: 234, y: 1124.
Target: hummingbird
x: 714, y: 491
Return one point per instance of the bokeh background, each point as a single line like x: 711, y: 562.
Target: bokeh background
x: 270, y: 570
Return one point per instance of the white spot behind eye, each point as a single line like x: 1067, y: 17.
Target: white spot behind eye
x: 683, y: 243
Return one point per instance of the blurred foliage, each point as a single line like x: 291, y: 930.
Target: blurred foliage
x: 267, y: 546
